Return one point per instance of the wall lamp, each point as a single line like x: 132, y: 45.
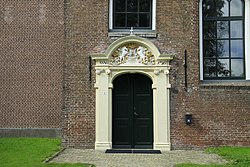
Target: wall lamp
x: 188, y: 118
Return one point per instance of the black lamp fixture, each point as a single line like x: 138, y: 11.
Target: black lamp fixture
x: 188, y: 118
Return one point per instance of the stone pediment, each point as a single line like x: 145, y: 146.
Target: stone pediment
x: 132, y: 51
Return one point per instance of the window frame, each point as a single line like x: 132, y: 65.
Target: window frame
x: 111, y: 21
x: 246, y: 42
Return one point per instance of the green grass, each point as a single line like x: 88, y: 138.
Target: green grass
x: 236, y: 157
x: 30, y: 152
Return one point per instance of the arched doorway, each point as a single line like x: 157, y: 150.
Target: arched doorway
x: 132, y: 117
x: 128, y: 57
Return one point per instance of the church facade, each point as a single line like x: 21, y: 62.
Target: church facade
x: 144, y: 74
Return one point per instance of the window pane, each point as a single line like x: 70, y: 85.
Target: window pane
x: 209, y: 29
x: 144, y: 5
x: 210, y: 48
x: 236, y: 8
x: 144, y: 20
x: 223, y: 48
x: 222, y: 8
x: 237, y: 48
x: 210, y: 68
x: 119, y: 20
x: 223, y: 68
x: 222, y: 29
x: 217, y: 8
x: 120, y: 6
x: 223, y: 38
x: 236, y: 29
x: 208, y: 9
x: 132, y: 20
x: 132, y: 13
x: 237, y: 68
x: 132, y: 6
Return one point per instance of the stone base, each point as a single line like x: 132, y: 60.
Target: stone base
x: 103, y: 146
x: 32, y: 132
x: 162, y: 146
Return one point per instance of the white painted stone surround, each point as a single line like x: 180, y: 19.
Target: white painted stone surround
x: 106, y: 72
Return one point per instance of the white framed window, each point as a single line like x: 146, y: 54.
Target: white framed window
x: 139, y: 14
x: 224, y: 37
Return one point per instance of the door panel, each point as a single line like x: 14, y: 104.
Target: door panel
x: 132, y: 112
x: 121, y: 117
x: 143, y: 124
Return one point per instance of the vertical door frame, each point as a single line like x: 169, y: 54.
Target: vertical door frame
x: 106, y: 72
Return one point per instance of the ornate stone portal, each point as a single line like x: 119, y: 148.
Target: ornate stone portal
x: 132, y: 55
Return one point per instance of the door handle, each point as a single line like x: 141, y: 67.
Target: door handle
x: 135, y: 114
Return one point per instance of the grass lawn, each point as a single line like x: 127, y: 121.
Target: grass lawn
x: 30, y: 152
x: 236, y: 156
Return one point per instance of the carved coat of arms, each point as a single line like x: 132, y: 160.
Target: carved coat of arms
x: 132, y: 54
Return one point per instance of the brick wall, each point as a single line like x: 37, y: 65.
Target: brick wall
x: 47, y: 80
x: 31, y: 63
x: 220, y: 116
x: 220, y: 112
x: 86, y: 28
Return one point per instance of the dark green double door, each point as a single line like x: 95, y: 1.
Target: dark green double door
x: 132, y: 112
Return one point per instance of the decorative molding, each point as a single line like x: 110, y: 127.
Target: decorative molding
x: 103, y: 62
x: 162, y: 62
x: 157, y: 71
x: 166, y: 72
x: 108, y: 72
x: 99, y: 71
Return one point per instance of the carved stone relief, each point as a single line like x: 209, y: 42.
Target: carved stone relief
x: 132, y: 53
